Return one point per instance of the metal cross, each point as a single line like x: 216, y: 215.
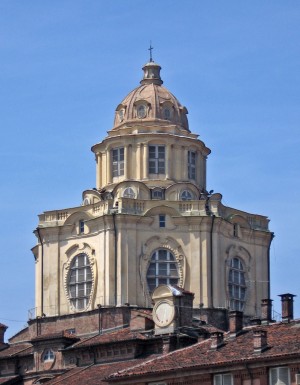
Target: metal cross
x: 150, y: 49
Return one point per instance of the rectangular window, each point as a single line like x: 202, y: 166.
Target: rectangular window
x: 118, y: 161
x: 279, y: 375
x: 223, y: 379
x: 192, y: 165
x: 162, y: 221
x: 81, y: 226
x: 157, y: 159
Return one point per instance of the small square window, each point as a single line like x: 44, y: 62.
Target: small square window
x: 162, y: 221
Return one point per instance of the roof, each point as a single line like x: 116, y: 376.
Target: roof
x: 116, y: 336
x: 9, y: 380
x: 16, y: 349
x: 283, y: 339
x: 93, y: 374
x: 53, y: 336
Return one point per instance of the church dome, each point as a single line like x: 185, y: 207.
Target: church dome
x: 151, y: 102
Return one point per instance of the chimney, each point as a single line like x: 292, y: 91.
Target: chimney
x: 216, y: 340
x: 259, y: 340
x: 287, y: 310
x: 266, y: 311
x: 235, y: 322
x: 2, y: 332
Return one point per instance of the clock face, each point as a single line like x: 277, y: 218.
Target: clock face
x: 163, y: 313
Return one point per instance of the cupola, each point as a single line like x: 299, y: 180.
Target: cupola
x: 151, y: 103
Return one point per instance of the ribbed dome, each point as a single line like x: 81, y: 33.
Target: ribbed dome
x: 151, y: 102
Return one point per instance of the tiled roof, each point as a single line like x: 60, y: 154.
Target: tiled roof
x: 116, y: 336
x: 92, y: 375
x: 283, y: 339
x: 9, y: 380
x: 17, y: 349
x: 54, y: 336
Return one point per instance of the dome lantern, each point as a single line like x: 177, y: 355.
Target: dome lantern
x: 151, y: 73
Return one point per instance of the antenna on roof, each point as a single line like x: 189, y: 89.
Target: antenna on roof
x: 150, y: 49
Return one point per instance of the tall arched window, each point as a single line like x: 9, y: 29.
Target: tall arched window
x: 236, y: 284
x: 162, y: 269
x: 80, y: 282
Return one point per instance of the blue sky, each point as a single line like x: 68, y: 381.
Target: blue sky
x: 65, y: 66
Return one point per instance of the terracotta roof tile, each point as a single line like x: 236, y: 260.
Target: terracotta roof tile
x: 282, y: 339
x: 9, y: 380
x: 116, y: 336
x: 92, y: 375
x: 53, y: 336
x: 17, y: 349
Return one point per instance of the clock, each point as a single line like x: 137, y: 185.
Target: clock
x: 163, y: 313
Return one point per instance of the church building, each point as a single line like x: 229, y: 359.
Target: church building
x: 150, y: 220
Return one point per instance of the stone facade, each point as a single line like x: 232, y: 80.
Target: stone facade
x: 150, y: 220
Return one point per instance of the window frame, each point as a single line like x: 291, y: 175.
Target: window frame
x: 221, y: 379
x: 162, y: 220
x: 237, y: 284
x: 277, y: 370
x: 157, y: 159
x: 118, y: 162
x: 161, y: 264
x: 192, y: 155
x: 48, y: 355
x: 80, y: 282
x: 185, y: 192
x: 129, y: 193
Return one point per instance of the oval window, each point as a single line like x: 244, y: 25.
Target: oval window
x: 141, y: 111
x: 80, y: 282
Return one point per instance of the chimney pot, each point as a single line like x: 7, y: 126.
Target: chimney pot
x: 216, y: 340
x: 235, y: 322
x: 259, y: 340
x: 266, y: 310
x: 287, y: 308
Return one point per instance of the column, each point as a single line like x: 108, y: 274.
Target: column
x: 138, y: 153
x: 184, y: 163
x: 145, y: 161
x: 99, y: 170
x: 108, y: 166
x: 168, y: 161
x: 126, y: 161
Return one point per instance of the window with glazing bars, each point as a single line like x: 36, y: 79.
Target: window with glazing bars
x: 162, y: 269
x: 191, y: 165
x: 118, y: 161
x: 156, y: 159
x: 80, y: 282
x: 236, y: 285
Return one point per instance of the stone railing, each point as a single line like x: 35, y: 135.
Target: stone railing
x: 140, y: 207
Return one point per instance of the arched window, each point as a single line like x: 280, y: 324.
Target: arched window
x: 80, y: 282
x: 162, y: 269
x: 186, y: 195
x: 48, y: 355
x: 141, y: 111
x: 129, y: 193
x: 236, y: 285
x: 167, y: 113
